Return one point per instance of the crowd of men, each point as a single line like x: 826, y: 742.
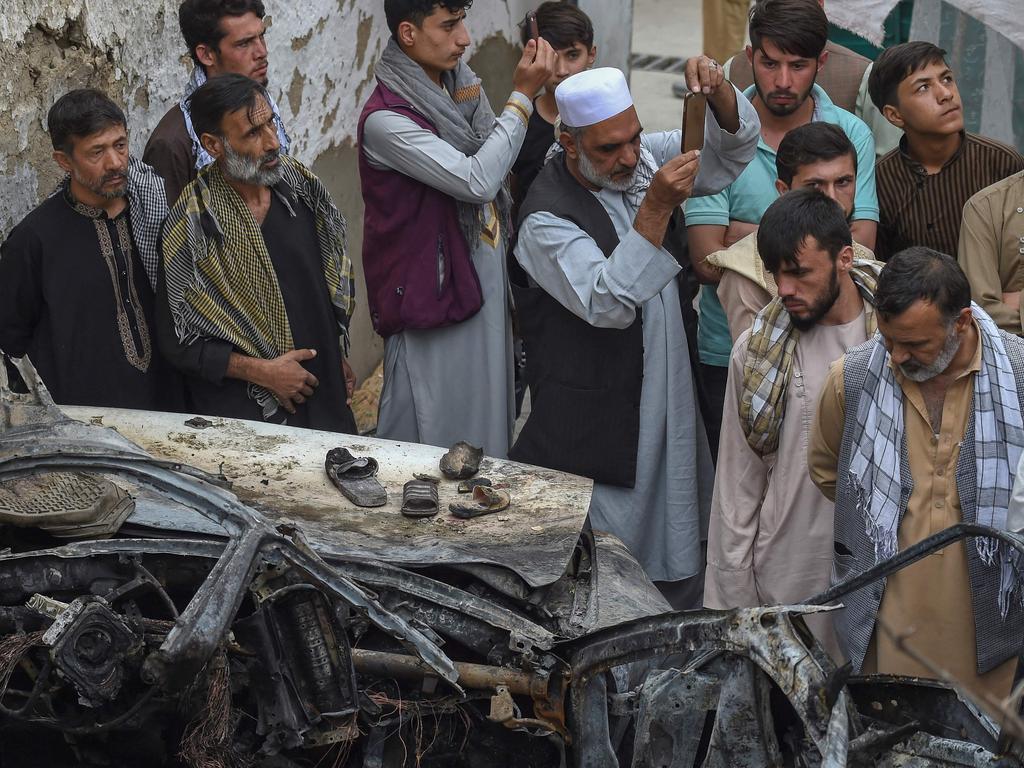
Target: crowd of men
x: 853, y: 383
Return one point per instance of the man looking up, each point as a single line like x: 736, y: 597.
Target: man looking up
x: 223, y: 36
x: 924, y: 183
x: 77, y: 274
x: 611, y: 383
x: 917, y: 430
x: 432, y: 164
x: 787, y: 42
x: 770, y: 537
x: 813, y: 156
x: 258, y: 288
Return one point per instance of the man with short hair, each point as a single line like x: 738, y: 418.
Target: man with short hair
x: 917, y: 430
x: 924, y: 183
x: 770, y: 537
x: 611, y: 383
x: 991, y: 250
x: 787, y: 43
x: 432, y: 165
x: 223, y: 36
x: 77, y: 273
x: 257, y: 288
x: 812, y: 156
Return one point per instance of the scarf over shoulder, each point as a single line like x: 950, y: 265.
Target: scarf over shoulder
x: 221, y: 282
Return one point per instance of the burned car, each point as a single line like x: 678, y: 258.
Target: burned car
x: 194, y: 592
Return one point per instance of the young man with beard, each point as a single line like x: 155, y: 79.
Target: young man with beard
x: 787, y: 42
x: 770, y: 537
x: 433, y: 159
x: 223, y: 36
x: 77, y: 274
x: 257, y: 288
x: 814, y: 156
x: 611, y: 383
x: 917, y: 430
x: 925, y: 182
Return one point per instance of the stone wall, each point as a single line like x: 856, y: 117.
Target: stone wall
x: 321, y: 69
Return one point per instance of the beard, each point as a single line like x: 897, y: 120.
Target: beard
x: 920, y: 373
x: 822, y: 304
x: 99, y: 186
x: 589, y: 172
x: 782, y: 110
x: 247, y: 169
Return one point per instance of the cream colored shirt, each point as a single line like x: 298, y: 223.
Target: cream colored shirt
x: 930, y: 599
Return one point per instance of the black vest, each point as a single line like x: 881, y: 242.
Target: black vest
x: 585, y: 382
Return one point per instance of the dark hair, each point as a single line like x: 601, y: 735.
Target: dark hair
x: 415, y: 11
x: 896, y: 64
x: 562, y: 24
x: 79, y: 113
x: 797, y: 27
x: 811, y: 143
x: 794, y: 217
x: 200, y: 20
x: 220, y: 95
x: 919, y: 273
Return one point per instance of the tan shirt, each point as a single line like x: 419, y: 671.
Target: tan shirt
x: 770, y: 537
x: 931, y: 598
x: 991, y: 249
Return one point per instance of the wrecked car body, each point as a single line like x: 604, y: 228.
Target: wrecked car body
x: 242, y: 613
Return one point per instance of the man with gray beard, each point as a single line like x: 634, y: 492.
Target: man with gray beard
x: 256, y: 290
x: 600, y: 309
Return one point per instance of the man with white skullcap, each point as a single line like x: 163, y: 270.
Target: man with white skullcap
x: 600, y: 309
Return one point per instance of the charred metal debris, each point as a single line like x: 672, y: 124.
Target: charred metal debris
x: 251, y: 649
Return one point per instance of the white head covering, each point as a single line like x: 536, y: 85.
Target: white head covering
x: 592, y: 96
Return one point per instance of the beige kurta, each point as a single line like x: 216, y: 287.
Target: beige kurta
x: 931, y: 598
x: 991, y: 249
x: 770, y: 539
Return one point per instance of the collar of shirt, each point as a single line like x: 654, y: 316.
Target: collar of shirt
x: 919, y: 169
x: 89, y: 211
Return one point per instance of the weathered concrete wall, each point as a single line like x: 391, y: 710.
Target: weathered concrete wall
x: 321, y: 68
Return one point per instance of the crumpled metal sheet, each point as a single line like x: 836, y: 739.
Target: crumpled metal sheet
x: 279, y: 471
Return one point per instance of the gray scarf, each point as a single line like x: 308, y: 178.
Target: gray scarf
x: 460, y: 113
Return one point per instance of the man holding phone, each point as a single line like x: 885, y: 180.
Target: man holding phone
x: 611, y: 384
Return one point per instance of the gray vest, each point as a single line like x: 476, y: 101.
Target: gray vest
x: 997, y: 640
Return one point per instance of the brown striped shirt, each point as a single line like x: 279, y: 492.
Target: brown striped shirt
x: 917, y: 208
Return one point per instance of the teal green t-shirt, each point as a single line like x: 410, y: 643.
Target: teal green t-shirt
x: 747, y: 198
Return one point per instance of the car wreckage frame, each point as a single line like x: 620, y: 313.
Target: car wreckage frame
x: 258, y: 651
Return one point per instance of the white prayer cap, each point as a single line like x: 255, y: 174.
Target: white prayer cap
x: 592, y: 96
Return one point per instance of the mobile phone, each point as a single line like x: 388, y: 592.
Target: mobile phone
x: 695, y: 107
x: 531, y: 20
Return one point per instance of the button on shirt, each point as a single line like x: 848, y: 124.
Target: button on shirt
x: 747, y: 198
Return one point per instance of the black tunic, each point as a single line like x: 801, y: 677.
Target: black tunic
x: 295, y: 254
x: 540, y: 135
x: 75, y: 297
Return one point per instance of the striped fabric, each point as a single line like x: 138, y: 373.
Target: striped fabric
x: 221, y: 281
x: 921, y: 209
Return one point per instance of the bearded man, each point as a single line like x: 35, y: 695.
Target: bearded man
x: 611, y: 385
x: 257, y: 289
x: 917, y: 430
x: 770, y: 537
x: 77, y: 275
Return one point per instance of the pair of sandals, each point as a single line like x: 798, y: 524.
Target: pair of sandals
x: 356, y: 478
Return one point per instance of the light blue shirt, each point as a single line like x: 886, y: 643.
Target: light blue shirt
x: 747, y: 198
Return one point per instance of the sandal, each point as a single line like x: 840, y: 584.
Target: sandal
x: 461, y: 461
x: 355, y: 477
x: 485, y: 501
x: 419, y: 498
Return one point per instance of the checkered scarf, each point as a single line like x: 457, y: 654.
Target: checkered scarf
x: 220, y: 278
x: 202, y: 157
x: 768, y: 365
x: 875, y: 466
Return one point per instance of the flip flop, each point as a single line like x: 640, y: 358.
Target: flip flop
x: 461, y: 461
x: 355, y: 477
x: 485, y: 501
x: 419, y: 498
